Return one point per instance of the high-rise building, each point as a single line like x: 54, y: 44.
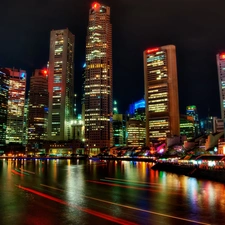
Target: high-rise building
x: 119, y: 130
x: 38, y: 109
x: 25, y: 130
x: 4, y: 89
x: 98, y: 80
x: 16, y: 102
x: 220, y: 58
x: 137, y: 110
x: 61, y: 85
x: 161, y: 93
x: 187, y: 127
x: 192, y: 114
x: 135, y: 133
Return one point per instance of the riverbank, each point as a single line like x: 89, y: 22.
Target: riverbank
x: 44, y: 158
x: 108, y: 158
x: 191, y: 171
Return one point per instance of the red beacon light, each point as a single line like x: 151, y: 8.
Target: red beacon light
x: 45, y: 72
x: 95, y: 5
x: 152, y: 50
x: 222, y: 56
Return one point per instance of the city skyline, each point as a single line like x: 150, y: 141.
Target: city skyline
x: 192, y: 27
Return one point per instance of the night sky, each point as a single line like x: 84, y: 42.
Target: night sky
x: 195, y: 27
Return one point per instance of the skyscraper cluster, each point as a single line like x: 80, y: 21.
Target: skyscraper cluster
x: 50, y: 115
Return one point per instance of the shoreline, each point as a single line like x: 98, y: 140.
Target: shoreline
x: 192, y: 171
x: 82, y: 157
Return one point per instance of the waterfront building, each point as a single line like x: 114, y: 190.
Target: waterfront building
x: 220, y: 58
x: 78, y: 127
x: 192, y: 114
x: 206, y: 125
x: 16, y: 102
x: 37, y: 109
x: 161, y: 94
x: 61, y: 85
x: 137, y: 110
x: 187, y: 127
x: 25, y: 116
x: 135, y: 133
x: 218, y: 125
x: 98, y: 80
x: 119, y: 130
x: 211, y: 125
x: 4, y: 89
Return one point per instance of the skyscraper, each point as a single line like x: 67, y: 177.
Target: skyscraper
x: 38, y: 109
x: 4, y: 89
x: 220, y: 58
x: 98, y: 79
x: 16, y: 102
x: 161, y: 93
x: 192, y: 113
x: 61, y: 85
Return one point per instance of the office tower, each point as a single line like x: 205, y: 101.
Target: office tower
x: 136, y: 133
x: 161, y: 93
x: 192, y: 114
x: 98, y: 80
x: 16, y: 102
x: 137, y: 110
x: 187, y: 127
x: 119, y: 130
x: 4, y: 89
x: 61, y: 85
x: 25, y: 116
x: 220, y: 58
x: 38, y: 109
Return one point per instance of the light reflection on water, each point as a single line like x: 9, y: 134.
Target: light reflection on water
x: 122, y: 182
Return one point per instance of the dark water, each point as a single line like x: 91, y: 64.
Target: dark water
x: 99, y: 192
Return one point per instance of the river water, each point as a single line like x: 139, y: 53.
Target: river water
x: 80, y: 192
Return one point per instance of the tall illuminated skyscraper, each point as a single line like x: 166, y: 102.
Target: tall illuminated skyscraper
x: 4, y: 90
x: 220, y: 58
x: 98, y: 79
x: 38, y: 108
x: 16, y: 102
x: 161, y: 93
x: 61, y: 85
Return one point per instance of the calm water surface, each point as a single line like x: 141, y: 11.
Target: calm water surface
x: 80, y: 192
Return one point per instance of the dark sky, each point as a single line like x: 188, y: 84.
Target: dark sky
x: 195, y: 27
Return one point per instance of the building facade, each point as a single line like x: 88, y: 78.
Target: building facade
x: 220, y: 58
x: 187, y: 127
x: 61, y: 85
x: 135, y: 133
x: 4, y: 89
x: 161, y: 93
x: 119, y: 130
x: 16, y: 102
x: 192, y: 114
x: 98, y: 80
x: 38, y: 109
x: 137, y: 110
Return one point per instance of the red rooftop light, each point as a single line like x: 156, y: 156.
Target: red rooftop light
x: 222, y: 56
x: 44, y: 72
x: 152, y: 50
x: 95, y: 5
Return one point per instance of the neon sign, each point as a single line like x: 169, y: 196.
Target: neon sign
x: 152, y: 50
